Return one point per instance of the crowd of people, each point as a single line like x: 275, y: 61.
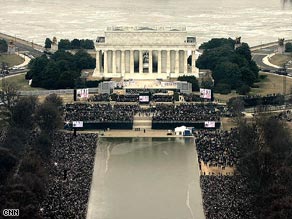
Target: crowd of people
x: 99, y: 98
x: 162, y: 98
x: 192, y: 97
x: 285, y: 116
x: 270, y: 99
x: 99, y: 112
x: 224, y: 196
x: 217, y: 148
x: 125, y: 112
x: 227, y: 197
x: 127, y: 98
x: 70, y: 169
x: 3, y: 134
x: 187, y: 112
x: 137, y: 91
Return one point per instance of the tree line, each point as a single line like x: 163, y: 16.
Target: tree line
x: 232, y: 69
x: 3, y: 45
x: 60, y: 70
x: 66, y: 44
x: 25, y: 140
x: 191, y: 79
x: 266, y: 162
x: 288, y: 47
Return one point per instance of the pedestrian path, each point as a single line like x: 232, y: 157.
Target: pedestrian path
x: 142, y: 121
x: 266, y: 60
x: 25, y: 62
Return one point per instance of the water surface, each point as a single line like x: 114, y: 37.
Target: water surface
x: 257, y: 22
x: 145, y: 178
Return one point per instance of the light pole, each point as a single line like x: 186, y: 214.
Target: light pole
x: 284, y: 77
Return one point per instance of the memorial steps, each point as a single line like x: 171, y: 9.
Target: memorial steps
x: 142, y: 122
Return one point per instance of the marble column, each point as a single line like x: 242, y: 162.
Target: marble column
x: 97, y: 67
x: 150, y: 61
x: 131, y: 61
x: 123, y: 63
x: 186, y: 62
x: 168, y: 61
x: 159, y: 61
x: 193, y: 61
x: 114, y: 62
x: 118, y: 61
x: 140, y: 61
x: 105, y: 69
x: 177, y: 61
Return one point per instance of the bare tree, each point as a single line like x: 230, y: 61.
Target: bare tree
x: 8, y: 97
x: 9, y: 94
x: 236, y: 107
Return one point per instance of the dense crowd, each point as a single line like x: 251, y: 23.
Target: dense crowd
x: 99, y: 98
x: 136, y: 91
x: 285, y: 116
x: 99, y: 112
x: 224, y: 196
x: 192, y: 97
x: 127, y: 98
x: 187, y: 112
x: 125, y: 112
x: 270, y: 99
x: 162, y: 98
x: 3, y: 134
x: 139, y: 91
x: 217, y: 148
x: 227, y: 197
x: 70, y: 170
x: 132, y: 95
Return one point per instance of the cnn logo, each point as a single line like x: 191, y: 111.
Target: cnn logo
x: 11, y: 212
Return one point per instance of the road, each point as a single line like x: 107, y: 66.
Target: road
x: 258, y: 56
x: 23, y: 45
x: 267, y: 45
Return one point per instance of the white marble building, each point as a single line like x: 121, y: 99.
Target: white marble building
x: 145, y: 53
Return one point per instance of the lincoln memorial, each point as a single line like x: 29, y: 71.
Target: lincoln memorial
x: 145, y: 53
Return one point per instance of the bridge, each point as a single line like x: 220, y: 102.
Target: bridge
x: 23, y: 45
x: 267, y: 45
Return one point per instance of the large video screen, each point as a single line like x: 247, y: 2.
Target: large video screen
x: 82, y: 94
x: 144, y: 99
x: 77, y: 124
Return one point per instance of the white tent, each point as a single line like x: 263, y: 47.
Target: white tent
x: 180, y: 130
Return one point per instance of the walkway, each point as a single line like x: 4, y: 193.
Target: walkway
x: 24, y: 45
x: 262, y: 59
x: 25, y: 63
x: 142, y: 121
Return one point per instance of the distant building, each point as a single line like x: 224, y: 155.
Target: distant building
x: 145, y: 53
x: 237, y: 42
x: 11, y: 48
x: 281, y: 46
x: 54, y: 45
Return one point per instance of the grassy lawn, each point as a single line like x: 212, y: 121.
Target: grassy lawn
x: 271, y: 84
x: 11, y: 59
x: 227, y: 123
x: 225, y: 97
x: 20, y: 82
x: 67, y: 98
x: 280, y: 59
